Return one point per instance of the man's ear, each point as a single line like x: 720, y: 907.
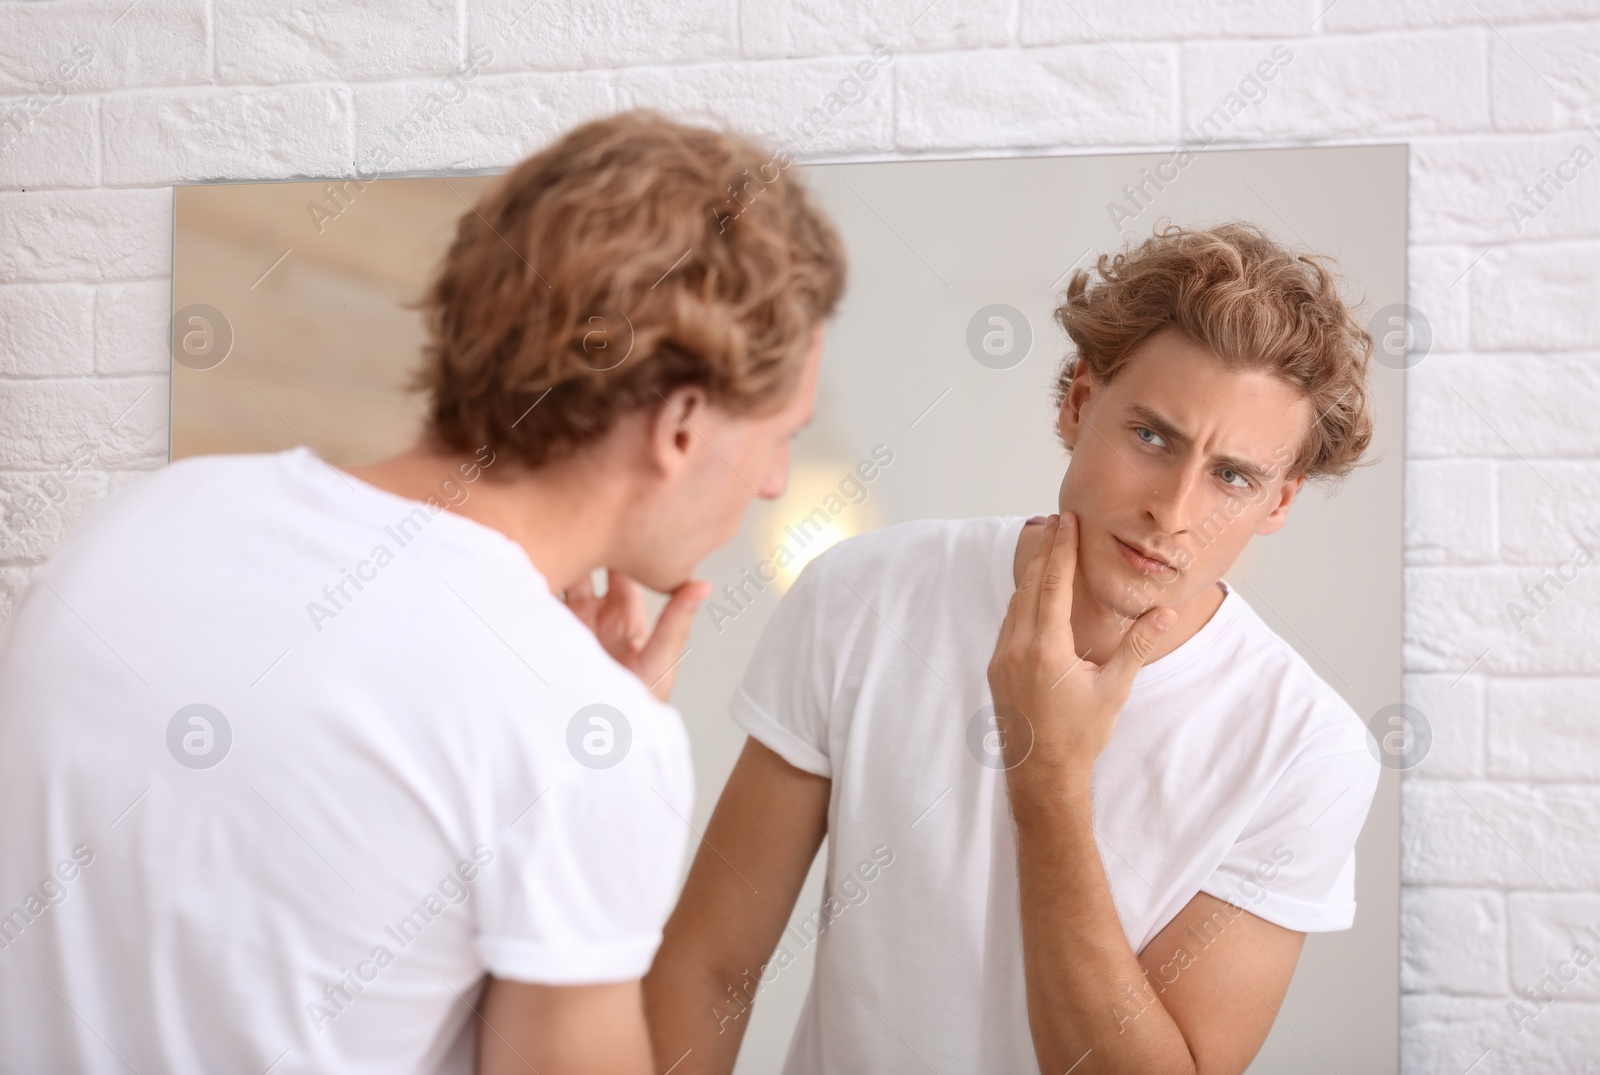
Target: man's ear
x: 1069, y: 422
x: 1280, y: 510
x: 671, y: 427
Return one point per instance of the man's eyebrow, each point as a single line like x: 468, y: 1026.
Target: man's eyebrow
x: 1172, y: 433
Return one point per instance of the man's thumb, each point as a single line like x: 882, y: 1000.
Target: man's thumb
x: 666, y: 642
x: 1137, y: 645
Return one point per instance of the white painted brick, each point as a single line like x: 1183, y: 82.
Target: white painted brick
x: 491, y: 121
x: 834, y: 27
x: 123, y: 421
x: 1455, y: 1035
x: 47, y: 144
x: 1036, y: 97
x: 1504, y: 406
x: 46, y: 330
x: 1048, y: 22
x: 1456, y: 616
x: 85, y: 235
x: 1452, y: 704
x: 1367, y: 87
x: 1545, y: 506
x: 187, y: 135
x: 38, y: 510
x: 1457, y: 941
x: 1450, y: 511
x: 1484, y: 834
x: 570, y: 35
x: 1544, y: 77
x: 1488, y: 189
x: 1537, y: 296
x: 809, y: 107
x: 1436, y: 288
x: 131, y: 326
x: 326, y: 39
x: 1544, y: 729
x: 13, y: 584
x: 155, y: 43
x: 1392, y: 14
x: 1545, y: 929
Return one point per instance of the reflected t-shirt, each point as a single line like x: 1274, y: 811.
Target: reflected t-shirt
x: 1234, y: 769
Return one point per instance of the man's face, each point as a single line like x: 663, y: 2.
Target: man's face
x: 731, y: 460
x: 1179, y: 458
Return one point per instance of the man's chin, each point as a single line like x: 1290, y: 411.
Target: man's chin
x: 666, y: 578
x: 1128, y: 601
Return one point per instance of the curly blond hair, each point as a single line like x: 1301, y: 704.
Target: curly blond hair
x: 633, y: 256
x: 1252, y: 303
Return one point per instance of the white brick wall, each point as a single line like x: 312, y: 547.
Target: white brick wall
x: 1502, y: 822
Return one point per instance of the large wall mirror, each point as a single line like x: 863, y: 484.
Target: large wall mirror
x: 291, y: 329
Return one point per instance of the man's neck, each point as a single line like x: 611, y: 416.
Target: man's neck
x: 563, y: 531
x: 1098, y: 630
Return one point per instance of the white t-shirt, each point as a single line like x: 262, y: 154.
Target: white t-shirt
x: 406, y: 788
x: 1233, y: 770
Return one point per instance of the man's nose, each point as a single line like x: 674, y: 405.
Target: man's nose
x: 777, y: 479
x: 1171, y: 498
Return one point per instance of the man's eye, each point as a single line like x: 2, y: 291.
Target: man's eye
x: 1244, y: 483
x: 1149, y: 437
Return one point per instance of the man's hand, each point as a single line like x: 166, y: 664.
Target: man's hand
x: 618, y: 620
x: 1055, y: 709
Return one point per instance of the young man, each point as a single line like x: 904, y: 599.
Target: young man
x: 1060, y: 838
x: 307, y: 769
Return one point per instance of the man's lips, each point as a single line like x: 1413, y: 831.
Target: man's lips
x: 1143, y: 559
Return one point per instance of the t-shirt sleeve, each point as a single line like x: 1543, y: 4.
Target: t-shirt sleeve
x: 1295, y: 864
x: 783, y: 699
x: 581, y: 883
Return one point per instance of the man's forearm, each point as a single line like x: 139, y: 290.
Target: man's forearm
x: 1089, y: 1002
x: 696, y: 1019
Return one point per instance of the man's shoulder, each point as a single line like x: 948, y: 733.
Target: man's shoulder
x: 1327, y: 722
x: 146, y: 506
x: 920, y: 577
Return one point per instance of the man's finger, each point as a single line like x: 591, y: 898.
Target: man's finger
x: 580, y: 598
x: 1137, y: 644
x: 666, y: 643
x: 1026, y: 611
x: 1055, y: 590
x: 625, y: 599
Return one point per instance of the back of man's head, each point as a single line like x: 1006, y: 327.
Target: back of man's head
x: 633, y: 256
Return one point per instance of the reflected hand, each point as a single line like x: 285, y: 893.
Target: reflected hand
x: 620, y: 623
x: 1054, y: 709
